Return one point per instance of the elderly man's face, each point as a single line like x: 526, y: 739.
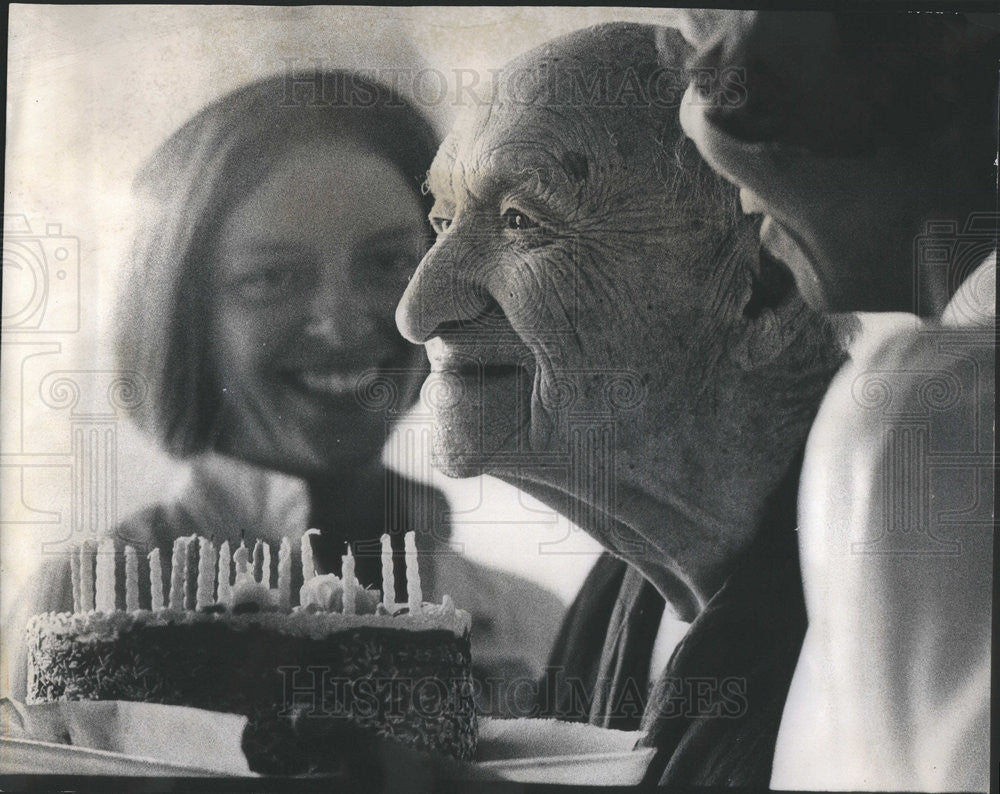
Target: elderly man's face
x: 565, y: 306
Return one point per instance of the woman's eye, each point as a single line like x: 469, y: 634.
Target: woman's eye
x: 397, y: 260
x: 269, y: 283
x: 518, y: 221
x: 440, y: 223
x: 275, y: 279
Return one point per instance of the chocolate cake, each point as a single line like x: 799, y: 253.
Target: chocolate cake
x: 340, y: 661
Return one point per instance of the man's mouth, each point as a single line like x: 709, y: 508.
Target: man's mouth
x: 774, y: 237
x: 469, y: 369
x: 780, y: 245
x: 489, y: 361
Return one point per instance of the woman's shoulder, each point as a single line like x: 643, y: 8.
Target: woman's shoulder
x: 156, y: 525
x: 223, y: 498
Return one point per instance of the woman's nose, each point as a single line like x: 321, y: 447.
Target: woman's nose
x: 448, y: 287
x: 336, y: 313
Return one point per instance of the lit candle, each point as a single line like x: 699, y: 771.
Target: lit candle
x: 105, y: 582
x: 225, y: 564
x: 178, y: 573
x: 74, y: 576
x: 285, y: 574
x: 155, y: 580
x: 414, y: 595
x: 258, y: 561
x: 86, y: 577
x: 350, y: 594
x: 265, y: 566
x: 190, y: 571
x: 388, y: 582
x: 131, y: 579
x: 242, y: 560
x: 308, y: 568
x: 206, y: 573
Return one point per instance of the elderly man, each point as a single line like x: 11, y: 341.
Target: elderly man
x: 869, y: 142
x: 603, y: 333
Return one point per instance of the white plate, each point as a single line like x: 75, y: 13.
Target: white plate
x: 602, y: 769
x: 579, y: 755
x: 575, y: 753
x: 27, y: 757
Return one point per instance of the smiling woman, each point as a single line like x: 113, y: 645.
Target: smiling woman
x: 253, y: 206
x: 302, y: 307
x: 279, y: 228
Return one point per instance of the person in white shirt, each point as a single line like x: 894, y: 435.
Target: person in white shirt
x: 868, y: 143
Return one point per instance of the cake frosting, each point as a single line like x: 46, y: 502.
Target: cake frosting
x: 332, y: 654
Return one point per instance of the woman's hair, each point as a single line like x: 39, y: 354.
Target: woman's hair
x: 184, y: 193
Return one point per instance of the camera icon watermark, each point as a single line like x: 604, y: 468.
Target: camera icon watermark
x: 953, y: 255
x: 41, y: 278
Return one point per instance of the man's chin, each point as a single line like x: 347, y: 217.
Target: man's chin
x: 455, y: 468
x: 465, y: 448
x: 481, y: 432
x: 460, y: 458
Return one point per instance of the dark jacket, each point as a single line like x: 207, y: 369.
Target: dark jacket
x: 714, y: 713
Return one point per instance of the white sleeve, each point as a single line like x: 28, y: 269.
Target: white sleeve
x: 892, y: 689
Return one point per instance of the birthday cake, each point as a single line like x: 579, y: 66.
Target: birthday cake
x: 308, y: 671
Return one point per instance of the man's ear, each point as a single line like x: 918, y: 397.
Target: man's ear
x: 771, y: 313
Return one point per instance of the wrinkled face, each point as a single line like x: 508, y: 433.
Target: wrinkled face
x: 564, y: 306
x: 307, y: 272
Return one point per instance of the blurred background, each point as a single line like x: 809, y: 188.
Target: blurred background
x: 91, y: 92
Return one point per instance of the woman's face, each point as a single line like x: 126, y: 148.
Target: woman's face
x: 307, y: 271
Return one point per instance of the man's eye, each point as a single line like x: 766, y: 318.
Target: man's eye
x: 518, y: 221
x: 440, y: 223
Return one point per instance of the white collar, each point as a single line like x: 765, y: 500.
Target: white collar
x: 974, y: 302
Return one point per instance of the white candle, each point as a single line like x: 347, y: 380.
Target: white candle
x: 242, y: 560
x: 225, y: 564
x: 206, y: 573
x: 86, y: 577
x: 105, y: 582
x: 285, y: 574
x: 155, y: 580
x: 308, y: 567
x: 388, y: 580
x: 265, y: 566
x: 190, y: 571
x: 414, y: 595
x: 257, y: 559
x: 178, y: 573
x: 350, y: 594
x: 74, y: 576
x: 131, y: 579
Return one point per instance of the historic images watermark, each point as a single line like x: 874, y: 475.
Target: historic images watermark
x: 314, y: 82
x: 41, y: 278
x: 61, y: 423
x: 317, y: 691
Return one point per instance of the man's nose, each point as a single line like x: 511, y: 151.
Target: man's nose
x: 449, y: 286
